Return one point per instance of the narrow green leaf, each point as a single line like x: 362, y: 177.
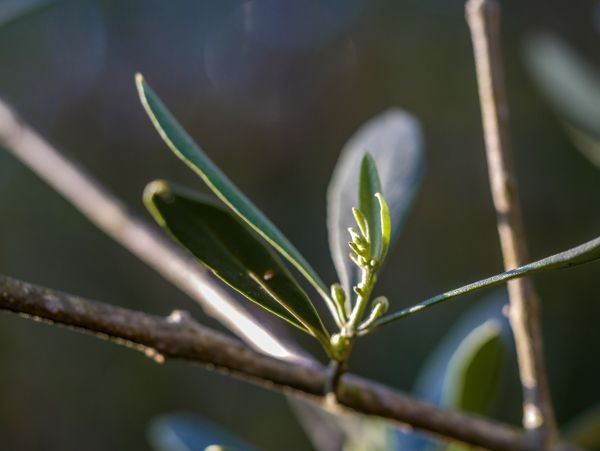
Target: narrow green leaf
x: 184, y: 432
x: 361, y: 221
x: 471, y: 379
x: 188, y: 151
x: 584, y: 253
x: 385, y: 225
x: 234, y: 253
x: 394, y: 140
x: 369, y: 184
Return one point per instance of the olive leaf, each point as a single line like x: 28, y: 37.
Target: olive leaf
x: 464, y: 370
x: 472, y: 374
x: 385, y: 222
x: 234, y: 253
x: 393, y: 140
x: 584, y: 253
x: 193, y: 156
x: 369, y: 185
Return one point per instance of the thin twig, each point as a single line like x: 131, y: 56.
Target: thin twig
x: 538, y: 415
x: 180, y: 337
x: 110, y: 215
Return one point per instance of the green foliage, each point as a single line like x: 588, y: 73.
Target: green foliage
x: 385, y: 225
x: 472, y: 374
x: 369, y: 186
x: 373, y: 217
x: 247, y: 275
x: 463, y: 370
x: 234, y: 253
x: 394, y: 143
x: 382, y: 158
x: 186, y: 149
x: 584, y: 253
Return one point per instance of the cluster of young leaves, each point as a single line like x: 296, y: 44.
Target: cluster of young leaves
x: 237, y: 241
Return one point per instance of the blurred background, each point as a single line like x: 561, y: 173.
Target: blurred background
x: 272, y: 90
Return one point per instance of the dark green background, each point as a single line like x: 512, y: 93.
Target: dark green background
x: 272, y: 90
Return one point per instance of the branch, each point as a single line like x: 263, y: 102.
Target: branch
x: 538, y: 416
x: 180, y: 337
x: 111, y: 216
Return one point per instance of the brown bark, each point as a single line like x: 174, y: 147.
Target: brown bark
x: 180, y: 337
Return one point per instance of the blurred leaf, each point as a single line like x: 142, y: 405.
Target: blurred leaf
x: 471, y: 378
x: 587, y: 144
x: 369, y: 185
x: 320, y: 425
x: 220, y: 448
x: 186, y: 149
x: 182, y: 432
x: 233, y: 252
x: 13, y: 10
x: 584, y: 430
x: 393, y: 138
x: 443, y: 364
x: 343, y: 431
x: 570, y: 83
x: 365, y: 433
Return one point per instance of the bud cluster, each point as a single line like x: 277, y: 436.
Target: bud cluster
x: 361, y: 242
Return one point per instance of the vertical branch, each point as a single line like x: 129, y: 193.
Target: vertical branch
x: 111, y: 216
x: 538, y: 416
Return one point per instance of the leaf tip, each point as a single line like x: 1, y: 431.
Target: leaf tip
x: 367, y: 160
x: 154, y: 189
x: 140, y: 83
x: 139, y: 79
